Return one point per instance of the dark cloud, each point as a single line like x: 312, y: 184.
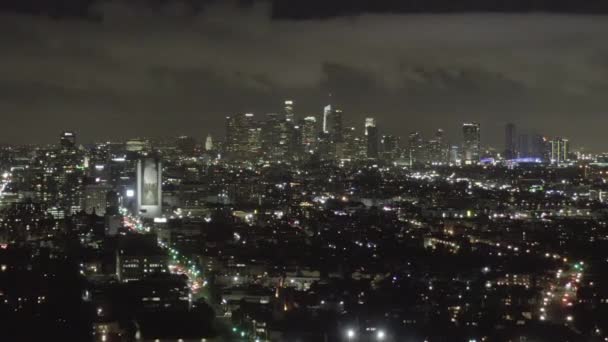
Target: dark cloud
x: 167, y: 69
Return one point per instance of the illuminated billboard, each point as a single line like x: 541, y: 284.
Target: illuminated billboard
x: 149, y: 187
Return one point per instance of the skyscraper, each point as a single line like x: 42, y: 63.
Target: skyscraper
x: 67, y: 140
x: 289, y: 113
x: 238, y: 134
x: 275, y: 136
x: 371, y: 136
x: 149, y: 187
x: 390, y: 147
x: 416, y: 148
x: 309, y: 133
x: 510, y: 150
x: 437, y: 148
x: 369, y: 122
x: 209, y: 143
x: 472, y: 141
x: 559, y: 150
x: 326, y: 114
x: 332, y: 123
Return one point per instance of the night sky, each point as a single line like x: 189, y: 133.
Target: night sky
x: 118, y: 69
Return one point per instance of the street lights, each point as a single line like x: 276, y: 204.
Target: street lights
x: 350, y: 334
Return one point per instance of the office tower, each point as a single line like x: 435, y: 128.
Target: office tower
x: 95, y: 198
x: 289, y: 113
x: 67, y: 140
x: 209, y: 143
x: 253, y: 146
x: 332, y: 123
x: 454, y: 155
x: 510, y: 133
x: 138, y: 256
x: 149, y: 187
x: 275, y: 136
x: 369, y: 122
x: 472, y: 140
x: 238, y: 134
x: 437, y: 148
x: 372, y: 138
x: 416, y: 148
x: 390, y: 147
x: 326, y: 114
x: 559, y: 150
x: 347, y: 149
x: 296, y: 148
x: 309, y: 133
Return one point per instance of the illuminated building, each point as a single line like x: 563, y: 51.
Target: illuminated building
x: 371, y: 136
x: 471, y: 143
x: 332, y: 123
x: 95, y: 198
x: 289, y: 113
x: 137, y: 145
x: 369, y: 122
x: 438, y: 148
x: 309, y: 133
x: 209, y: 143
x: 149, y: 187
x: 417, y: 150
x: 390, y: 147
x: 138, y: 256
x: 239, y: 131
x: 559, y: 150
x: 275, y: 136
x: 67, y: 140
x: 348, y: 149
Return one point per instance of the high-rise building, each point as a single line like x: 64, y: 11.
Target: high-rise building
x: 372, y: 141
x: 326, y: 115
x: 209, y: 143
x: 454, y: 155
x: 369, y: 122
x: 253, y: 146
x: 438, y: 151
x: 510, y: 143
x: 309, y: 133
x: 348, y: 149
x: 275, y: 136
x: 289, y: 113
x: 238, y: 134
x: 472, y: 142
x: 416, y: 148
x: 149, y: 187
x: 138, y: 256
x: 390, y: 147
x: 95, y: 198
x: 67, y: 140
x: 332, y: 123
x: 559, y: 150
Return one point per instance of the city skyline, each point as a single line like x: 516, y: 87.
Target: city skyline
x: 182, y: 71
x: 303, y: 170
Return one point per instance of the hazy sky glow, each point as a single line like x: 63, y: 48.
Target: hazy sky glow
x: 167, y: 70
